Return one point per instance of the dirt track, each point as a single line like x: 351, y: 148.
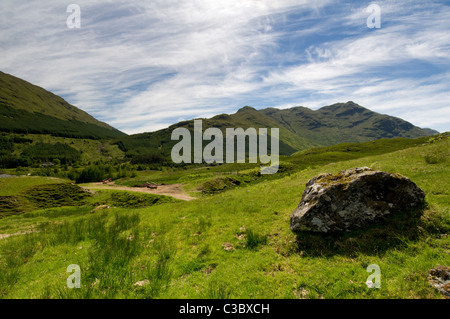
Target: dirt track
x: 174, y: 190
x: 2, y: 236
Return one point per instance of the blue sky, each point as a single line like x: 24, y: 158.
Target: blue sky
x: 143, y: 65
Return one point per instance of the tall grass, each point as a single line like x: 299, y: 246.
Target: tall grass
x: 216, y: 289
x: 14, y: 254
x: 436, y: 156
x: 253, y: 239
x: 158, y: 270
x: 114, y: 244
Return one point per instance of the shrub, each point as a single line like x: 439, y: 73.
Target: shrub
x: 435, y: 157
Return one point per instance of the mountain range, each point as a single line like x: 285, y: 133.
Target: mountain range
x: 26, y: 108
x: 300, y: 128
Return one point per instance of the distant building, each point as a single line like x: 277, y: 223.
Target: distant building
x: 47, y: 164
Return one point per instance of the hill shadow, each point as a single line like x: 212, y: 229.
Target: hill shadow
x: 388, y: 233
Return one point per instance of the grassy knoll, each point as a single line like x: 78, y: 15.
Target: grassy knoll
x: 128, y: 199
x: 27, y: 193
x: 14, y: 185
x: 234, y: 244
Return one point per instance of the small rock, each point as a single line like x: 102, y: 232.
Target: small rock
x: 301, y: 293
x: 228, y: 246
x: 142, y: 283
x: 439, y: 278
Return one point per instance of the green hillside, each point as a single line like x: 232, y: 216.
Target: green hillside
x: 300, y: 128
x: 343, y: 123
x: 32, y: 150
x: 27, y: 108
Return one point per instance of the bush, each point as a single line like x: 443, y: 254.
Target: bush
x: 130, y: 200
x: 154, y: 158
x: 436, y: 157
x: 91, y: 174
x: 222, y: 183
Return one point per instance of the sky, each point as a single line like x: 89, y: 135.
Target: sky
x: 143, y: 65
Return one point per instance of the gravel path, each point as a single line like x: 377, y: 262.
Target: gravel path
x: 174, y: 190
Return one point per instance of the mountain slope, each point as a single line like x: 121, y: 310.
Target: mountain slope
x: 300, y: 128
x: 27, y: 108
x: 343, y: 123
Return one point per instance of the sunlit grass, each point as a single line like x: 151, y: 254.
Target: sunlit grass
x: 14, y: 185
x: 176, y: 250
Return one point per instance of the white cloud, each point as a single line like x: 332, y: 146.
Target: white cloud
x: 379, y: 71
x: 140, y: 65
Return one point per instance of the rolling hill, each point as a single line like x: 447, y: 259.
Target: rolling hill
x: 27, y: 108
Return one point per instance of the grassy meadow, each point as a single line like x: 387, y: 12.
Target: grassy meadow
x: 231, y: 243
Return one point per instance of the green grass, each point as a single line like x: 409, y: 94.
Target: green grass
x: 127, y: 199
x: 92, y: 150
x: 28, y: 194
x: 349, y: 151
x: 25, y: 194
x: 178, y: 246
x: 253, y: 240
x: 14, y: 185
x: 214, y: 179
x: 13, y: 193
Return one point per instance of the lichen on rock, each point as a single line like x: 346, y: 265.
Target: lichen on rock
x: 353, y: 199
x: 439, y: 278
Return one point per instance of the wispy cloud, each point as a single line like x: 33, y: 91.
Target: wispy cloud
x: 141, y: 66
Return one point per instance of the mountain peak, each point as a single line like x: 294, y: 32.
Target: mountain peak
x: 246, y: 108
x: 351, y: 104
x: 343, y: 106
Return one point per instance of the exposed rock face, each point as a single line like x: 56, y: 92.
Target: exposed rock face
x: 353, y: 199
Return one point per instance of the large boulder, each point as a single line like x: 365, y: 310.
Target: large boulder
x: 353, y: 199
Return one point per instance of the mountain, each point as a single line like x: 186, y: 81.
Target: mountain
x: 27, y: 108
x: 342, y: 123
x: 300, y: 128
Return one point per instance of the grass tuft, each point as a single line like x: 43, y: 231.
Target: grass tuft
x: 253, y: 240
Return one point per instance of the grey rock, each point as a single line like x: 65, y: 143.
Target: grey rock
x: 353, y: 199
x: 439, y: 278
